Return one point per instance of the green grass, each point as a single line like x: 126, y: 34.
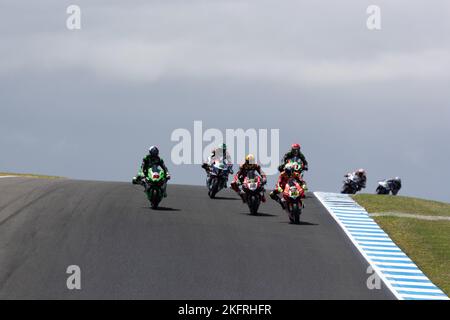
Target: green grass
x: 427, y: 243
x: 384, y: 203
x: 29, y: 175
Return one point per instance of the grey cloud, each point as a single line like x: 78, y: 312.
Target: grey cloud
x: 87, y: 104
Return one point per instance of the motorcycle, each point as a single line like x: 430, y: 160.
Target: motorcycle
x: 218, y: 177
x: 154, y: 184
x: 388, y: 186
x: 351, y: 184
x: 253, y: 188
x: 292, y: 196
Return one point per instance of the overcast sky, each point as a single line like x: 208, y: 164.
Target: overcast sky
x: 88, y: 103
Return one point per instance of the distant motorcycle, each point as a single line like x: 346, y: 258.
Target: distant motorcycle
x: 154, y: 184
x: 218, y: 177
x: 253, y: 188
x: 352, y: 184
x: 292, y: 195
x: 389, y: 186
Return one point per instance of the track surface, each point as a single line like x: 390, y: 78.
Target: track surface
x: 193, y: 248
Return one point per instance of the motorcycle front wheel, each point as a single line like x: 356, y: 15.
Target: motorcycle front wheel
x: 253, y: 204
x: 155, y: 199
x: 213, y: 189
x: 347, y: 190
x: 381, y: 190
x: 295, y: 213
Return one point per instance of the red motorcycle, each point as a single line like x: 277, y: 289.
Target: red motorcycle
x: 254, y: 191
x: 293, y: 194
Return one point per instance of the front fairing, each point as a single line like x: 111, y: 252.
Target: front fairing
x: 156, y: 176
x: 384, y: 184
x: 216, y: 171
x: 252, y: 185
x: 293, y: 191
x: 352, y: 180
x: 221, y: 170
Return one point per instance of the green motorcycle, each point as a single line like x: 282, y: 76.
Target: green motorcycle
x: 154, y: 184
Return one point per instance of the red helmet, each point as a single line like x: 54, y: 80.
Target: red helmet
x: 295, y: 146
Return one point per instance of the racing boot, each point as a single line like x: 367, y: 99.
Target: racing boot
x: 304, y: 186
x: 243, y: 196
x: 274, y: 196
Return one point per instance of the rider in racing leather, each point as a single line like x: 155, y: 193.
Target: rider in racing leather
x: 149, y: 161
x: 244, y: 169
x: 284, y: 177
x: 220, y: 154
x: 360, y: 178
x: 294, y: 152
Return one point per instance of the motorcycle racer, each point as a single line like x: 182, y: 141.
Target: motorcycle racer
x: 247, y: 166
x: 360, y: 178
x: 152, y: 159
x: 284, y: 177
x: 294, y: 152
x: 220, y: 154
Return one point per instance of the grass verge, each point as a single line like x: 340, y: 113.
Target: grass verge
x: 427, y: 243
x: 29, y: 175
x: 384, y: 203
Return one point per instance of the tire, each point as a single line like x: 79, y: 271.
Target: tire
x: 253, y: 204
x: 214, y: 188
x: 155, y: 199
x: 296, y: 211
x: 347, y: 189
x: 291, y: 213
x: 382, y: 190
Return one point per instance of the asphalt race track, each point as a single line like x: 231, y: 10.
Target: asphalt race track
x: 192, y: 248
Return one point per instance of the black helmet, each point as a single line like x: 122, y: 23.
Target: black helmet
x: 153, y: 151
